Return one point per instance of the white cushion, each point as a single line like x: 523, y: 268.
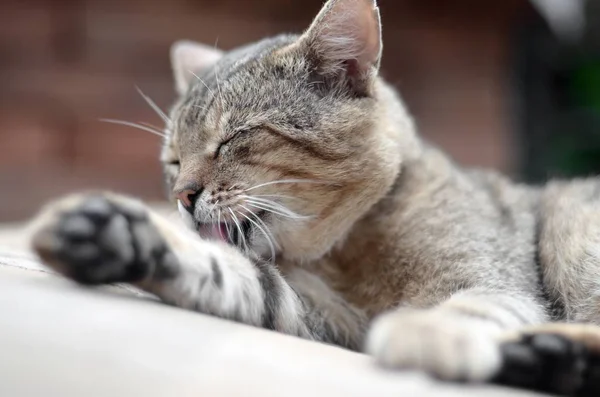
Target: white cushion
x: 60, y: 339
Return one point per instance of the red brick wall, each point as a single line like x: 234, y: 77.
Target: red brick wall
x: 64, y: 65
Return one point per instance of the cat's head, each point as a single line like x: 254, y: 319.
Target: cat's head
x: 288, y: 141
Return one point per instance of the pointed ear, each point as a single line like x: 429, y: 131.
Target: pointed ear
x: 187, y: 58
x: 344, y: 40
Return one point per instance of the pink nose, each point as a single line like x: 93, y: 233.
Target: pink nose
x: 187, y: 197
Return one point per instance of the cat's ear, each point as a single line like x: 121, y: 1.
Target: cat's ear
x: 187, y: 58
x: 344, y: 41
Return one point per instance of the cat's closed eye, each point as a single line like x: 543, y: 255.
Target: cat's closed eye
x: 225, y: 144
x: 222, y: 147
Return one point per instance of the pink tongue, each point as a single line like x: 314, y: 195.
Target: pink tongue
x: 219, y: 231
x: 213, y: 231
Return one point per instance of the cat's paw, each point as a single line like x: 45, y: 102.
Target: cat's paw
x: 437, y: 343
x: 562, y: 359
x: 99, y: 238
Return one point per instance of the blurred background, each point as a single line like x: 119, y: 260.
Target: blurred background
x: 512, y: 85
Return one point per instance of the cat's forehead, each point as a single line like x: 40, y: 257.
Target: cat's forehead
x: 253, y: 82
x: 260, y: 60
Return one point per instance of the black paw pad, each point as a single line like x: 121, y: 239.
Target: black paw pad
x: 549, y: 363
x: 591, y: 385
x: 75, y: 227
x: 98, y: 209
x: 100, y: 242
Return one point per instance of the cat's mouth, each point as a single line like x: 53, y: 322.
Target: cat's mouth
x: 235, y: 230
x: 234, y: 233
x: 214, y: 231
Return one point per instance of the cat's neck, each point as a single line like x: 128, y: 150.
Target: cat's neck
x: 417, y: 163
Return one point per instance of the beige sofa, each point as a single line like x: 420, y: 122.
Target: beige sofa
x: 59, y: 339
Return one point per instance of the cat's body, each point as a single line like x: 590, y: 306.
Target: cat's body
x: 450, y: 261
x: 425, y: 240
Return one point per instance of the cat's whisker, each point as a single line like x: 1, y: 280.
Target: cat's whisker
x: 274, y: 211
x: 285, y: 181
x: 217, y: 75
x: 149, y: 125
x: 203, y: 83
x: 227, y: 229
x: 154, y: 106
x: 264, y: 200
x: 276, y: 196
x: 269, y: 203
x: 135, y: 125
x: 212, y: 212
x: 259, y: 206
x: 221, y: 100
x: 267, y: 235
x: 261, y: 222
x: 213, y: 207
x: 274, y: 205
x: 240, y: 230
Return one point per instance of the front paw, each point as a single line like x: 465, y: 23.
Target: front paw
x: 99, y: 238
x: 440, y: 344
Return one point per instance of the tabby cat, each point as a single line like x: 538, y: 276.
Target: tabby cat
x: 315, y: 210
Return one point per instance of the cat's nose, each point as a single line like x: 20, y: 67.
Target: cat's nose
x: 187, y: 196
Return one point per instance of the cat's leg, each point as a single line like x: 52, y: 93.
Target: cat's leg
x: 457, y: 340
x: 563, y: 358
x: 105, y: 238
x: 491, y: 337
x: 328, y: 311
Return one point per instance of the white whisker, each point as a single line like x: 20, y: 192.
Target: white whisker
x: 154, y: 106
x: 228, y: 231
x: 284, y: 181
x: 134, y: 125
x: 155, y: 128
x: 202, y: 81
x: 211, y: 211
x: 267, y: 236
x: 264, y: 200
x: 275, y: 206
x: 263, y: 207
x: 240, y: 230
x: 275, y: 196
x: 213, y: 206
x: 219, y: 85
x: 260, y: 221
